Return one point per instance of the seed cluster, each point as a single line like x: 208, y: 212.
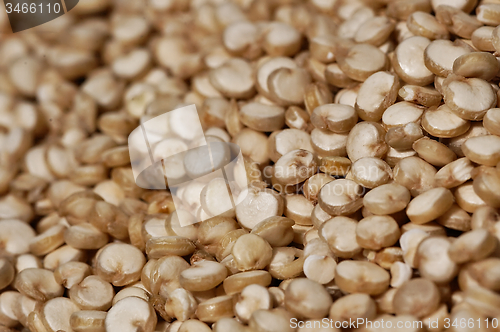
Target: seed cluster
x: 371, y: 141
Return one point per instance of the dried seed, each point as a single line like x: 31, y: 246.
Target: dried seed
x: 433, y: 261
x: 129, y: 314
x: 87, y: 321
x: 377, y: 232
x: 361, y: 277
x: 277, y: 231
x: 361, y: 61
x: 119, y: 263
x: 307, y: 298
x: 418, y: 297
x: 340, y: 235
x: 426, y: 25
x: 409, y: 63
x: 202, y: 276
x: 377, y: 93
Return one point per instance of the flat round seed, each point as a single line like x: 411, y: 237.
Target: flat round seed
x: 408, y: 61
x: 333, y: 166
x: 313, y: 185
x: 299, y: 209
x: 361, y: 277
x: 253, y: 144
x: 334, y: 117
x: 336, y: 77
x: 434, y: 152
x: 472, y: 246
x: 467, y: 198
x: 352, y: 307
x: 400, y: 273
x: 307, y: 298
x: 484, y: 150
x: 354, y: 20
x: 374, y: 31
x: 7, y: 273
x: 71, y: 273
x: 63, y: 255
x: 281, y: 39
x: 15, y: 236
x: 237, y: 282
x: 297, y: 118
x: 340, y: 234
x: 279, y: 319
x: 169, y: 245
x: 270, y: 203
x: 38, y: 284
x: 402, y: 138
x: 481, y: 65
x: 48, y: 240
x: 325, y: 143
x: 294, y: 167
x: 418, y: 297
x: 252, y: 298
x: 225, y: 245
x: 377, y: 232
x: 241, y: 39
x: 341, y: 197
x: 234, y: 79
x: 88, y: 320
x: 320, y: 268
x: 262, y: 117
x: 488, y: 13
x: 401, y: 114
x: 457, y: 21
x: 317, y: 94
x: 129, y: 314
x: 484, y: 217
x: 215, y: 200
x: 92, y: 293
x: 212, y: 230
x: 387, y: 199
x: 85, y: 236
x: 487, y: 185
x: 361, y: 61
x: 371, y: 172
x: 465, y: 5
x: 283, y: 141
x: 425, y: 25
x: 441, y: 54
x: 119, y: 263
x: 202, y: 276
x: 491, y: 121
x: 267, y: 67
x: 456, y: 218
x: 482, y: 39
x: 366, y: 139
x: 27, y: 261
x: 56, y: 313
x: 251, y: 252
x: 378, y: 92
x: 214, y: 309
x: 287, y: 85
x: 323, y: 48
x: 443, y: 122
x: 415, y: 174
x: 420, y: 95
x: 484, y: 272
x: 429, y: 205
x: 433, y: 261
